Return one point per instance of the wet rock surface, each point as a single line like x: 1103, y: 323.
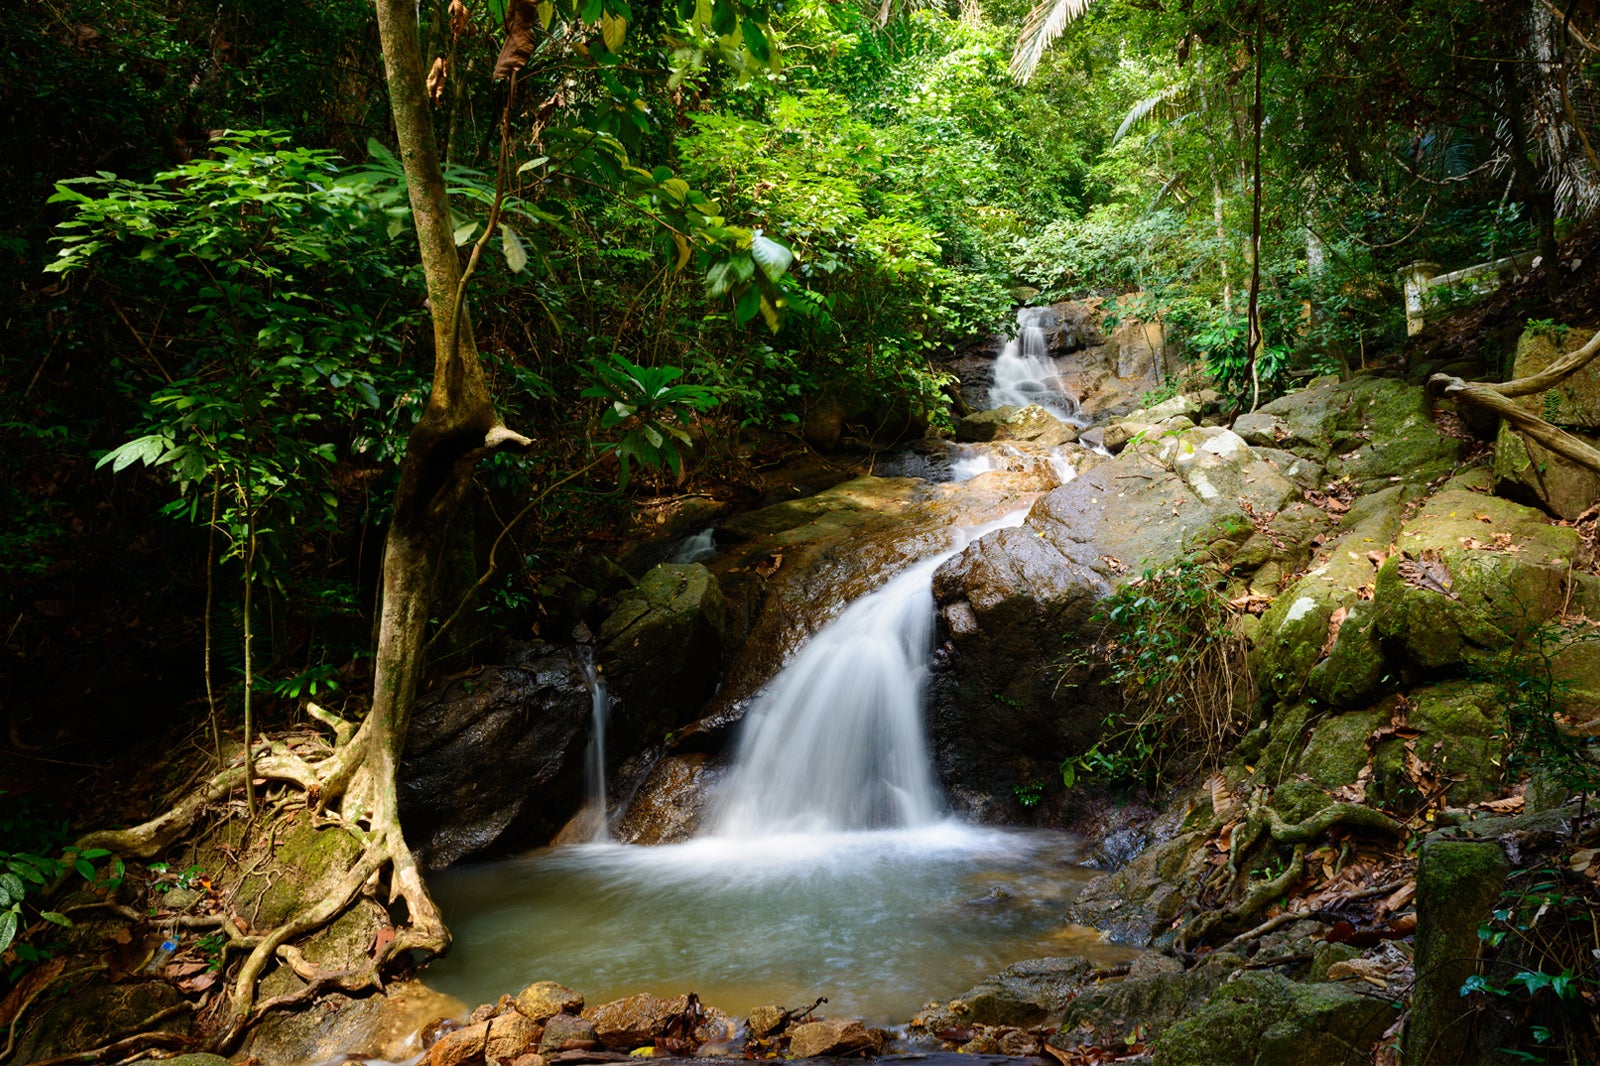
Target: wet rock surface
x: 532, y: 711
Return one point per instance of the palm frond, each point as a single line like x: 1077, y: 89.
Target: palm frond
x: 1141, y: 110
x: 1044, y: 24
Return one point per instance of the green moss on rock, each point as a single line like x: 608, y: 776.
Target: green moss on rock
x: 1267, y: 1020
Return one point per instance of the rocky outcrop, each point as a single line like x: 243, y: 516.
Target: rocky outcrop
x: 532, y: 712
x: 1014, y: 603
x: 1268, y: 1020
x: 1032, y: 424
x: 1526, y: 470
x: 662, y: 651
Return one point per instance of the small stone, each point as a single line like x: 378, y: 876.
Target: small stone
x: 567, y: 1032
x: 1018, y: 1042
x: 831, y: 1036
x: 764, y: 1021
x: 543, y: 998
x: 460, y: 1047
x: 510, y: 1035
x: 483, y: 1013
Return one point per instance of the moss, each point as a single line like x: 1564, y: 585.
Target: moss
x: 307, y: 864
x: 1288, y: 726
x: 1458, y: 883
x: 1460, y: 727
x: 1268, y: 1020
x: 1355, y: 668
x: 1298, y: 800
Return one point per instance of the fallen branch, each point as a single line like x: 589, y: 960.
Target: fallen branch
x: 1490, y: 397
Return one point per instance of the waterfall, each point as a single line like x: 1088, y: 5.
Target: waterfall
x: 697, y: 548
x: 594, y: 759
x: 1024, y: 372
x: 836, y: 741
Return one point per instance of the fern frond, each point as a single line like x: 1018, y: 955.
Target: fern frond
x: 1141, y: 110
x: 1044, y: 24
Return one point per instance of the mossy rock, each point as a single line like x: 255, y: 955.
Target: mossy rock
x: 1155, y: 1001
x: 1356, y: 667
x: 308, y: 863
x: 89, y: 1015
x: 1460, y: 722
x: 198, y: 1058
x: 1527, y: 471
x: 1458, y: 883
x: 1267, y: 1020
x: 1385, y: 433
x: 1490, y: 598
x: 1337, y: 749
x: 1295, y: 628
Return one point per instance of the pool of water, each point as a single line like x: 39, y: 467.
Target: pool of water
x: 877, y: 921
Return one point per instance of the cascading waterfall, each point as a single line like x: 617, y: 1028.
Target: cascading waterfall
x: 697, y: 548
x: 594, y: 760
x: 1024, y: 372
x: 836, y: 741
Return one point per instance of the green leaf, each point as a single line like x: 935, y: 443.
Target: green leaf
x: 749, y: 305
x: 8, y: 928
x: 57, y: 918
x: 530, y: 164
x: 516, y: 254
x: 755, y: 40
x: 85, y: 869
x: 773, y: 258
x: 464, y: 233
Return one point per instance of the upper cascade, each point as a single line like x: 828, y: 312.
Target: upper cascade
x: 1025, y: 374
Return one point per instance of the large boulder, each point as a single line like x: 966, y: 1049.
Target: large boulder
x: 1016, y: 602
x: 1373, y: 431
x: 1266, y: 1019
x: 833, y: 1037
x: 379, y: 1026
x: 1031, y: 423
x: 1526, y: 470
x: 636, y: 1021
x: 662, y: 651
x: 494, y: 758
x: 1027, y: 993
x: 1472, y: 574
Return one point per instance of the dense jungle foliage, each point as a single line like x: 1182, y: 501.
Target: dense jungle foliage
x: 704, y: 232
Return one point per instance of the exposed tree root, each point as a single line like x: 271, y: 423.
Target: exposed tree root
x: 1260, y: 822
x: 350, y: 787
x: 145, y: 1039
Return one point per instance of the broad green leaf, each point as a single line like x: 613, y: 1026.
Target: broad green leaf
x: 755, y: 40
x: 8, y: 929
x: 464, y: 233
x: 676, y: 188
x: 530, y: 164
x: 748, y: 306
x: 57, y: 917
x: 516, y: 254
x: 613, y: 30
x: 773, y: 258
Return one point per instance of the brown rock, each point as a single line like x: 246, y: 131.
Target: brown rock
x: 764, y: 1021
x: 543, y: 998
x: 635, y: 1020
x: 831, y: 1036
x: 462, y: 1046
x: 483, y: 1013
x: 567, y: 1032
x: 530, y: 1059
x: 510, y: 1035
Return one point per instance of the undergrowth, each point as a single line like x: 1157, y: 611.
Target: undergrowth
x: 1171, y: 650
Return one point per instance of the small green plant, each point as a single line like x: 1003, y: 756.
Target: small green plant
x: 649, y: 408
x: 1548, y: 327
x: 1029, y: 794
x: 1170, y: 650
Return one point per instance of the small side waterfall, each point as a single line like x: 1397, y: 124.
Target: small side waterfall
x: 1024, y: 372
x: 698, y: 547
x: 594, y: 759
x: 836, y: 741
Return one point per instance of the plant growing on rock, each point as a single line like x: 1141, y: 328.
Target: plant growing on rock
x: 1170, y: 648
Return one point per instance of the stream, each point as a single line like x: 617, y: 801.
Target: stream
x: 830, y: 866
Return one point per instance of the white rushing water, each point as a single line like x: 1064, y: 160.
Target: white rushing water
x: 698, y: 547
x: 837, y: 741
x: 1024, y: 373
x: 594, y: 757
